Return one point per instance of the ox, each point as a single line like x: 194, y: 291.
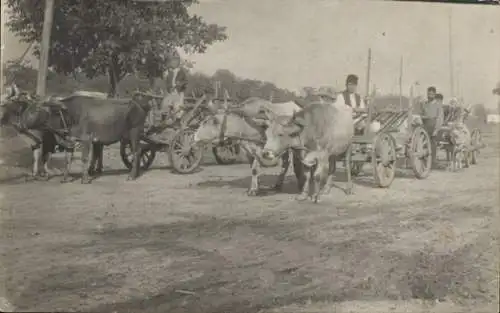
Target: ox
x: 324, y: 131
x: 91, y: 121
x: 245, y: 126
x: 19, y: 110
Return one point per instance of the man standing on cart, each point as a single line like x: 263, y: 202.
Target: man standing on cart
x: 432, y: 118
x: 172, y: 86
x: 350, y: 97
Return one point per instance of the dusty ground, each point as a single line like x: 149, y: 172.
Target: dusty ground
x: 197, y: 243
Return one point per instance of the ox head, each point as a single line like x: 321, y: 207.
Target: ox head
x: 282, y: 133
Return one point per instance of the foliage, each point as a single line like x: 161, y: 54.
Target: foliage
x: 114, y: 37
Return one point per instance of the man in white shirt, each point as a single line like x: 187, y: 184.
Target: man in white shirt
x: 349, y: 96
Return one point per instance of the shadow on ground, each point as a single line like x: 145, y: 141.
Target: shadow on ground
x: 248, y: 265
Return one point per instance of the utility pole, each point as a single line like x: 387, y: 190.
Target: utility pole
x: 370, y: 105
x: 450, y: 56
x: 401, y: 84
x: 41, y: 86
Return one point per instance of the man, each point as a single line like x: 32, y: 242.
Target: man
x: 173, y: 86
x: 349, y: 96
x: 432, y: 118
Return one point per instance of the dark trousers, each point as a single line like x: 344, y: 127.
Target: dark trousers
x: 430, y: 126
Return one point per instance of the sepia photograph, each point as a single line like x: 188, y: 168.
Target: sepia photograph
x: 249, y: 156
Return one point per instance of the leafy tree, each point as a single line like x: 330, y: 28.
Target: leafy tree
x: 114, y: 37
x: 22, y: 74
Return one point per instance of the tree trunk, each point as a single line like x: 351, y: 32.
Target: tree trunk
x: 112, y: 92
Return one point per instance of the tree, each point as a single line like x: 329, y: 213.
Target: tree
x: 114, y: 37
x: 22, y: 74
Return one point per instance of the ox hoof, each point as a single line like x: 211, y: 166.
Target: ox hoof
x: 252, y: 192
x: 316, y: 199
x: 301, y: 197
x: 131, y: 178
x: 85, y: 181
x: 349, y: 191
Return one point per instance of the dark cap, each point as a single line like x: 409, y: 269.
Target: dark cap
x: 431, y: 88
x: 352, y: 79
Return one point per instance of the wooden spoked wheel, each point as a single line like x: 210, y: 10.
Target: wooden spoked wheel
x: 147, y: 155
x: 420, y: 153
x: 476, y: 143
x: 184, y: 156
x: 226, y: 153
x: 384, y: 159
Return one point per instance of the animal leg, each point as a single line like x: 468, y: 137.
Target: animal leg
x: 322, y: 169
x: 254, y: 185
x: 87, y: 150
x: 305, y: 189
x: 46, y: 161
x: 332, y: 166
x: 37, y: 156
x: 68, y: 159
x: 136, y: 152
x: 100, y: 155
x: 298, y: 168
x: 96, y: 161
x: 284, y: 168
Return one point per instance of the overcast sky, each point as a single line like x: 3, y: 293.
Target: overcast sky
x: 296, y: 43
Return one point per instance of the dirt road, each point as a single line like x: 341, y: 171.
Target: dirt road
x: 197, y: 243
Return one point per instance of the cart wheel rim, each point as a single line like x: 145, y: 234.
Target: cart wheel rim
x: 185, y: 156
x: 384, y: 159
x: 421, y: 153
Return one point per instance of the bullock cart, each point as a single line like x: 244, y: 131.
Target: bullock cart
x: 183, y: 155
x: 462, y: 145
x: 397, y: 138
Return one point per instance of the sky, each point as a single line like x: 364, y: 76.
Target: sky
x: 296, y: 43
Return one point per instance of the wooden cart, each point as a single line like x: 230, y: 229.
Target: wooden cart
x: 184, y: 156
x: 398, y: 138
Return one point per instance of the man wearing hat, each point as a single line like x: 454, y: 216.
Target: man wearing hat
x: 173, y: 86
x: 349, y: 96
x: 432, y: 118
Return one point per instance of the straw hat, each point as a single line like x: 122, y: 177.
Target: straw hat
x: 328, y: 92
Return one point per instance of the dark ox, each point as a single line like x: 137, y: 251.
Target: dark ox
x: 323, y: 131
x: 244, y: 126
x: 98, y: 122
x: 93, y: 122
x: 24, y: 112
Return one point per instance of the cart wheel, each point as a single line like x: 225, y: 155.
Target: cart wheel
x: 356, y: 167
x: 420, y: 153
x: 184, y: 156
x: 476, y: 142
x: 226, y: 153
x: 147, y: 155
x: 384, y: 159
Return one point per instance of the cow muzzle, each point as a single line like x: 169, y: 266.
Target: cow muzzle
x: 268, y: 155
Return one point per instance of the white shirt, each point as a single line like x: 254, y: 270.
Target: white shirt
x: 341, y: 100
